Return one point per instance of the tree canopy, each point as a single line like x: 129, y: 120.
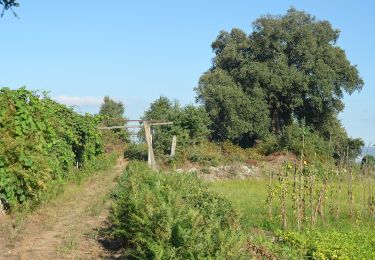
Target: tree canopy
x: 289, y: 69
x: 112, y: 108
x: 113, y: 114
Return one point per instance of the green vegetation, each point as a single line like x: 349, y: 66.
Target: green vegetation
x: 335, y: 235
x: 368, y: 162
x: 280, y: 88
x: 356, y: 244
x: 136, y: 152
x: 41, y: 141
x: 189, y: 124
x: 159, y: 216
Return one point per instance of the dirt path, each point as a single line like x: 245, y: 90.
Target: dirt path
x: 67, y: 227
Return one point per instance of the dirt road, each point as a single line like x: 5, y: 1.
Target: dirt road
x: 66, y: 228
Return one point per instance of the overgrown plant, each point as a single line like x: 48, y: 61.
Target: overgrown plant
x: 40, y: 140
x: 173, y: 216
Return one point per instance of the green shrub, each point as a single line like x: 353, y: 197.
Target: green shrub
x: 172, y: 216
x: 268, y: 145
x: 206, y: 153
x: 235, y: 153
x: 291, y: 140
x: 135, y: 151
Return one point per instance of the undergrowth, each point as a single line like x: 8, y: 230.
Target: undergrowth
x: 172, y: 216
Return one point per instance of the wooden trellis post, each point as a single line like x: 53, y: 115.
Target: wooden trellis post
x: 2, y: 208
x: 173, y: 146
x: 151, y: 157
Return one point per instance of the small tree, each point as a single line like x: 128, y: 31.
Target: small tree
x: 113, y: 114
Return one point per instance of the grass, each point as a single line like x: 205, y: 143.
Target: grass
x: 249, y: 197
x: 69, y: 243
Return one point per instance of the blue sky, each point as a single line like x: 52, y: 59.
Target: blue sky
x: 135, y: 51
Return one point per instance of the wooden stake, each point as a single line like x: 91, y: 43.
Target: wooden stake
x: 151, y: 157
x: 173, y: 147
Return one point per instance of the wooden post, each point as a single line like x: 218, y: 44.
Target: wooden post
x: 151, y: 157
x: 2, y: 211
x: 173, y: 147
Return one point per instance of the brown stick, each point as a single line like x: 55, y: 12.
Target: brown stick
x: 318, y: 206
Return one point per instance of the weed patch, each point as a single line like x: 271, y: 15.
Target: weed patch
x: 157, y: 215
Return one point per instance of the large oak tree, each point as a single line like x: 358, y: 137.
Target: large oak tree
x: 291, y: 63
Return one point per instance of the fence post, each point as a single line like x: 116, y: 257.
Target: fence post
x: 173, y: 147
x: 2, y: 209
x: 151, y: 157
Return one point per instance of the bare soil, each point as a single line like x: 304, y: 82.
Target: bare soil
x: 66, y: 228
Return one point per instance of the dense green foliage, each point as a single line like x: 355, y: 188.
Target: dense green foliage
x: 296, y: 138
x: 172, y: 216
x: 289, y: 69
x: 234, y: 115
x: 40, y: 140
x: 189, y: 124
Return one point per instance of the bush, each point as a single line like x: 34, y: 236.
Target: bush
x: 172, y: 216
x: 136, y: 152
x: 206, y: 153
x: 269, y: 145
x: 291, y: 140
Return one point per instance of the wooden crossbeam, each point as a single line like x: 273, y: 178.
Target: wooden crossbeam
x: 119, y: 127
x: 161, y: 123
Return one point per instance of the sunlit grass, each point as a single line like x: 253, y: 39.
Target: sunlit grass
x: 249, y: 197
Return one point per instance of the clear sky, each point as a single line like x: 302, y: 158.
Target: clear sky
x: 135, y: 51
